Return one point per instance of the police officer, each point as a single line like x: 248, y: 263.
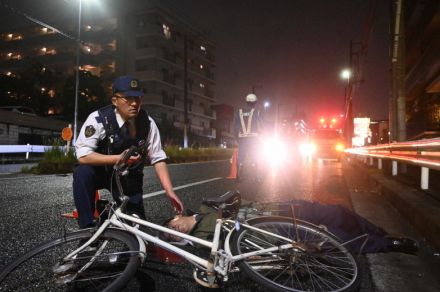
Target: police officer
x: 248, y: 124
x: 102, y: 140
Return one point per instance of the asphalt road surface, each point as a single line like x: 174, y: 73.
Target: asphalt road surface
x: 31, y: 206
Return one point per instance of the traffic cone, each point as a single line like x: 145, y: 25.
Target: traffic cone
x: 233, y: 171
x: 74, y: 213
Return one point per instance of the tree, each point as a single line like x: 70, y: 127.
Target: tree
x: 91, y: 95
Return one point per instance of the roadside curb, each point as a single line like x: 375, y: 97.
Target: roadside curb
x: 421, y: 210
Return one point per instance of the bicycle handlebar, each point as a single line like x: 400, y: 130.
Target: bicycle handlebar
x: 121, y: 168
x: 121, y: 165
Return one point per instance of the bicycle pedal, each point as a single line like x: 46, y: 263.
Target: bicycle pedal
x: 202, y: 278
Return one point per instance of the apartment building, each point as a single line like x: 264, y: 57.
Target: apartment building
x: 422, y: 62
x: 150, y: 43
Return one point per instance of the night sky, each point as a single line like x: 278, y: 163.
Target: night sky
x: 292, y: 51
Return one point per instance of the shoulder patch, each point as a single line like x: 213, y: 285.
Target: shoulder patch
x: 89, y: 131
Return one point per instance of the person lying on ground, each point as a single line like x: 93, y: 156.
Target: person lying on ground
x: 340, y: 221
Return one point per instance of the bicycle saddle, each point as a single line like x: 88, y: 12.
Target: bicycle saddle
x: 230, y: 203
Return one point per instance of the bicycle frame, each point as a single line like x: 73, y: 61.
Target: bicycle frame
x: 220, y: 259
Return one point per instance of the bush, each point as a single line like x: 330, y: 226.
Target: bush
x: 177, y: 154
x: 54, y: 160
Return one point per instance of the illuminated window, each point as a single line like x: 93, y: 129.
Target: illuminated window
x: 202, y: 85
x: 10, y: 36
x: 43, y: 50
x: 43, y: 89
x: 51, y: 111
x: 9, y: 73
x: 44, y: 29
x: 201, y: 66
x: 166, y: 31
x: 203, y: 49
x: 43, y: 69
x: 51, y: 52
x: 51, y: 93
x: 14, y: 56
x: 88, y: 28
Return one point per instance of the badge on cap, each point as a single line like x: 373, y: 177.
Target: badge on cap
x: 89, y: 131
x: 134, y: 84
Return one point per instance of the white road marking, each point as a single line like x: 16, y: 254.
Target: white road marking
x: 153, y: 194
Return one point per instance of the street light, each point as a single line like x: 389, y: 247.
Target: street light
x: 266, y: 105
x: 346, y: 74
x: 78, y: 44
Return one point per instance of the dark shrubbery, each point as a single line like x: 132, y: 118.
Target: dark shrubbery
x: 56, y: 160
x: 177, y: 154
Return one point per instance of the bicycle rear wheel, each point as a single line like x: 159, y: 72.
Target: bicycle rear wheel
x: 42, y: 268
x: 317, y: 262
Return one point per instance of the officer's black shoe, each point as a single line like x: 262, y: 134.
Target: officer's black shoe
x: 403, y: 244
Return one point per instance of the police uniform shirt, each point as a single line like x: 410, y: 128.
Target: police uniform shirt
x: 93, y: 132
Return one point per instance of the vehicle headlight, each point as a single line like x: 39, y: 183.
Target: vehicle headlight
x: 307, y: 149
x: 274, y: 151
x: 340, y: 147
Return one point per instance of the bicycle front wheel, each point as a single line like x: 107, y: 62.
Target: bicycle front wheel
x: 105, y: 266
x: 316, y: 262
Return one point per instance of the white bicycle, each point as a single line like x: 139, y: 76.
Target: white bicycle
x: 278, y: 253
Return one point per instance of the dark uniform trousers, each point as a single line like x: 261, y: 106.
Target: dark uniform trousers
x: 86, y: 180
x: 247, y: 149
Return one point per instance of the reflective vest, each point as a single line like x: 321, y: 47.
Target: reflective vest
x: 246, y: 128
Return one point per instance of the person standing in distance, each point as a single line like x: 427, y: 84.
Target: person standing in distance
x: 248, y: 124
x: 103, y: 138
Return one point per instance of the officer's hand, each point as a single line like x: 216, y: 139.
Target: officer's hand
x: 133, y: 159
x: 177, y: 204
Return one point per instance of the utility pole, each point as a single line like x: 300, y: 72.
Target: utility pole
x: 398, y: 100
x: 185, y: 92
x: 349, y: 92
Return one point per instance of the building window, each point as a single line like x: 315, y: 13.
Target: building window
x: 167, y: 99
x: 141, y: 65
x: 166, y: 31
x: 13, y: 37
x: 190, y: 103
x: 142, y: 43
x: 168, y: 77
x: 14, y: 56
x: 203, y: 50
x: 202, y: 85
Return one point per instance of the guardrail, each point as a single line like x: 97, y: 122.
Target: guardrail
x: 28, y: 149
x: 424, y: 153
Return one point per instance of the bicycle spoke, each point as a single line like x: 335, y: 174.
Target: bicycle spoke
x: 316, y: 261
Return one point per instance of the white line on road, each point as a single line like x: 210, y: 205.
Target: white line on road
x: 153, y: 194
